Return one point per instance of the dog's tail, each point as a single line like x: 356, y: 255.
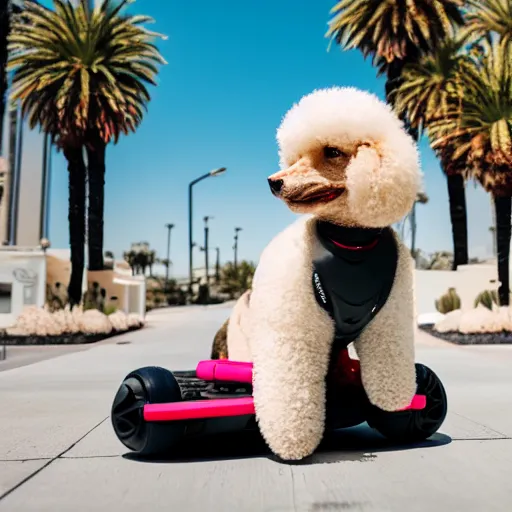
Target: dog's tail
x: 231, y: 340
x: 220, y: 343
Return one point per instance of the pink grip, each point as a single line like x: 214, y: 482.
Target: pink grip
x: 225, y: 371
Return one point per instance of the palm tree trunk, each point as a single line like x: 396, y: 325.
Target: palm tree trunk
x: 4, y: 31
x: 96, y: 174
x: 77, y: 176
x: 458, y: 217
x: 393, y: 81
x: 393, y: 78
x: 503, y: 211
x: 9, y: 200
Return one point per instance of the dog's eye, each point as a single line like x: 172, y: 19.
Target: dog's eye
x: 331, y: 152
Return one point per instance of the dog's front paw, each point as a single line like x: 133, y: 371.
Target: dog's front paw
x: 391, y: 393
x: 292, y: 428
x: 292, y: 450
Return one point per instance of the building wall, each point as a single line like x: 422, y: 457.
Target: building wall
x: 28, y: 228
x: 22, y: 283
x: 29, y: 200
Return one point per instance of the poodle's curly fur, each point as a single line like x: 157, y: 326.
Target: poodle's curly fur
x: 278, y: 325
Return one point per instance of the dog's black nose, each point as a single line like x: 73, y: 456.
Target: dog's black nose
x: 275, y: 185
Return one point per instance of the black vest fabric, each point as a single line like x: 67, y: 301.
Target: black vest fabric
x: 353, y: 285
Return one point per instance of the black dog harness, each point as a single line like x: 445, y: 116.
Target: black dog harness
x: 353, y: 276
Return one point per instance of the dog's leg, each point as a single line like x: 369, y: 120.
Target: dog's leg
x: 290, y: 339
x: 386, y: 347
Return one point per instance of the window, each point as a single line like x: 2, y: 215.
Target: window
x: 5, y: 298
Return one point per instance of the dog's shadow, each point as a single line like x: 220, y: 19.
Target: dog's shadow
x: 361, y: 444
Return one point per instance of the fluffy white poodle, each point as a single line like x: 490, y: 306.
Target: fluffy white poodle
x: 347, y: 161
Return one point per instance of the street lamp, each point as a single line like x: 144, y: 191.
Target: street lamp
x: 206, y: 247
x: 215, y: 172
x: 235, y: 247
x: 217, y: 266
x: 169, y: 228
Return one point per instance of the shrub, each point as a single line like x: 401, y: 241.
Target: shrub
x: 34, y: 321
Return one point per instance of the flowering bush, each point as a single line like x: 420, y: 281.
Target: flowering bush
x: 479, y: 320
x: 35, y: 321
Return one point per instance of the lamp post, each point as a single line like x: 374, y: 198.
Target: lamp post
x: 206, y: 249
x: 169, y: 229
x: 235, y: 247
x: 215, y: 172
x: 217, y: 266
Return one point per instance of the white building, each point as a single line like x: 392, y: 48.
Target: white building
x: 25, y: 269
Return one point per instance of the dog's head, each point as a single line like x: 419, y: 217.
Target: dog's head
x: 346, y: 158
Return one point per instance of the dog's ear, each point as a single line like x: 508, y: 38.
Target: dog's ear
x: 366, y: 159
x: 381, y: 188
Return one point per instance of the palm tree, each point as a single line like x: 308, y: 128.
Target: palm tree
x: 131, y: 258
x: 393, y: 33
x: 236, y: 280
x: 484, y: 120
x: 84, y: 91
x: 151, y: 260
x: 428, y: 89
x: 489, y: 19
x: 140, y: 257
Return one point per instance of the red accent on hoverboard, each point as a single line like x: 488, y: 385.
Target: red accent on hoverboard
x: 203, y: 409
x: 200, y: 409
x: 418, y: 402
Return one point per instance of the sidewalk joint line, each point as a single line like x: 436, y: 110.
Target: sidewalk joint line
x: 44, y: 466
x: 482, y: 439
x: 481, y: 424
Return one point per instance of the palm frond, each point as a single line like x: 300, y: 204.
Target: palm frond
x: 390, y: 31
x: 77, y: 73
x: 489, y: 22
x: 483, y: 120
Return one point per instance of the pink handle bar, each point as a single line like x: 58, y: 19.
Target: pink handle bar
x: 224, y: 370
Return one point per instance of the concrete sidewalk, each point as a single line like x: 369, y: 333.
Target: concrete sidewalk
x: 58, y: 452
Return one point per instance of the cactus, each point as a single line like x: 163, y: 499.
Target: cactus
x: 56, y: 297
x: 95, y: 297
x: 487, y: 298
x: 450, y: 301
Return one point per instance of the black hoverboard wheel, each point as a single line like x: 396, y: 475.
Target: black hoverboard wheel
x: 150, y: 384
x: 414, y: 426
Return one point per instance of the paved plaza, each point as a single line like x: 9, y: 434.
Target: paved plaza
x: 58, y: 452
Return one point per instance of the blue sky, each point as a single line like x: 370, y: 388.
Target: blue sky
x: 234, y: 68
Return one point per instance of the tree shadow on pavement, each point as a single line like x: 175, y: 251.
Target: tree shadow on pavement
x: 356, y: 444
